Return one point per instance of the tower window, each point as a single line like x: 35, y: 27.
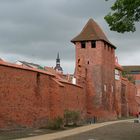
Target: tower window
x: 93, y: 44
x: 104, y: 87
x: 78, y: 61
x: 83, y: 45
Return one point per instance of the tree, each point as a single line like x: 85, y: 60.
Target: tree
x: 130, y: 77
x: 123, y: 16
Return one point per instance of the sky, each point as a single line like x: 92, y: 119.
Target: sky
x: 36, y: 30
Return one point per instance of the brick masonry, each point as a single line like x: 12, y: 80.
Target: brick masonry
x: 30, y: 97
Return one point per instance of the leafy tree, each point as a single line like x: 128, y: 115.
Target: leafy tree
x: 123, y: 15
x: 130, y: 77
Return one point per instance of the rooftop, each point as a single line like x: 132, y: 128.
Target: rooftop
x: 92, y: 31
x: 132, y: 68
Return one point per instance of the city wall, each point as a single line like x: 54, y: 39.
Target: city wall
x: 29, y: 98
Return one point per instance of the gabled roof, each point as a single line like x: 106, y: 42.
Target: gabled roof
x: 8, y: 64
x: 92, y: 31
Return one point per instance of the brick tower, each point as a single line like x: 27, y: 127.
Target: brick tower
x: 95, y: 62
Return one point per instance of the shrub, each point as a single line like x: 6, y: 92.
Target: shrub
x: 56, y: 123
x: 71, y: 117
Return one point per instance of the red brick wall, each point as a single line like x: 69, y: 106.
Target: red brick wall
x: 125, y: 98
x: 29, y: 98
x: 108, y: 67
x: 94, y: 69
x: 132, y: 104
x: 137, y: 77
x: 118, y: 97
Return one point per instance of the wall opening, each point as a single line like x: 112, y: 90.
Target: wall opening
x: 38, y: 78
x: 78, y: 61
x: 83, y: 45
x: 93, y: 44
x: 37, y: 87
x: 112, y: 88
x: 108, y: 48
x: 105, y: 89
x: 105, y: 45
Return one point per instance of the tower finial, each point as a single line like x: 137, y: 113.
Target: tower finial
x: 58, y: 67
x: 58, y: 55
x: 58, y: 59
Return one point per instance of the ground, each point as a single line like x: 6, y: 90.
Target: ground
x: 124, y: 130
x: 15, y: 134
x: 119, y: 131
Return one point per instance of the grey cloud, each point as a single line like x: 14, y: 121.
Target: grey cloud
x: 84, y: 8
x: 35, y: 30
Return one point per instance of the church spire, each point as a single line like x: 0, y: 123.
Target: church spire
x: 57, y: 59
x: 58, y: 67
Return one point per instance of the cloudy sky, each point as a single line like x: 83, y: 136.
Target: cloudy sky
x: 35, y: 30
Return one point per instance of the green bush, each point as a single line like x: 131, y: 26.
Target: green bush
x: 56, y: 123
x: 71, y: 117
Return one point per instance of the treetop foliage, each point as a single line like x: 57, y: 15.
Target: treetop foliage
x: 123, y: 15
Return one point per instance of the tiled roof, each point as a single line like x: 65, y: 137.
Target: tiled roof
x: 3, y: 63
x: 92, y: 31
x: 50, y: 69
x: 30, y: 64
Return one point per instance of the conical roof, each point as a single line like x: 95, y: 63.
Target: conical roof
x: 91, y: 31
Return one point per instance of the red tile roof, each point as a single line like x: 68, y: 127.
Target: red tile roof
x: 56, y: 77
x: 7, y: 64
x: 92, y: 31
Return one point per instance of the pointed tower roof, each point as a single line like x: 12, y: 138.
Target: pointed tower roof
x: 91, y: 31
x: 58, y: 67
x: 58, y: 55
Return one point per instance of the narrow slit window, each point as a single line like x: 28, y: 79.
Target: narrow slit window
x: 93, y: 44
x: 78, y: 61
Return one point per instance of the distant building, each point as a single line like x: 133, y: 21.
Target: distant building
x: 58, y: 67
x: 118, y: 70
x: 27, y: 64
x: 134, y: 72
